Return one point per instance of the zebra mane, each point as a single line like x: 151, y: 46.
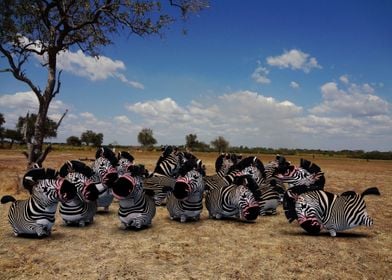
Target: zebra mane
x: 248, y: 161
x: 250, y: 183
x: 31, y: 177
x: 219, y: 162
x: 188, y: 166
x: 106, y: 153
x: 138, y: 170
x: 126, y: 155
x: 75, y: 166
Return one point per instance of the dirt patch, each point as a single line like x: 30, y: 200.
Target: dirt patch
x: 271, y: 248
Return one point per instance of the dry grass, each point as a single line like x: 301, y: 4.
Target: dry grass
x: 271, y: 248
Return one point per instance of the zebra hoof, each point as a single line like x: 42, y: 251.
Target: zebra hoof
x: 82, y: 223
x: 183, y: 219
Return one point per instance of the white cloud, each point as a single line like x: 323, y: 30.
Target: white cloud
x: 295, y: 60
x: 294, y: 84
x: 344, y: 79
x: 19, y: 104
x: 260, y: 75
x: 356, y: 101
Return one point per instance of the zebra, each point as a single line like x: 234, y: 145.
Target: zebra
x: 168, y: 163
x: 162, y: 180
x: 185, y: 201
x: 105, y: 174
x: 137, y: 209
x: 238, y: 201
x: 307, y: 174
x: 81, y: 209
x: 248, y: 166
x: 32, y: 176
x: 125, y: 160
x: 35, y: 216
x: 222, y: 166
x: 319, y: 209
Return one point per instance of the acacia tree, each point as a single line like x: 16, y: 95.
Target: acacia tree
x: 221, y: 144
x: 146, y: 138
x: 45, y: 28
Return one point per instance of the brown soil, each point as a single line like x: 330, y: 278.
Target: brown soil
x: 271, y: 248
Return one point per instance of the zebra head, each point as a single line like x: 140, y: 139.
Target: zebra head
x: 249, y: 206
x: 190, y: 182
x: 79, y: 174
x: 300, y: 204
x: 105, y: 171
x: 225, y: 161
x: 125, y: 160
x: 52, y: 190
x: 251, y: 166
x: 85, y: 186
x: 124, y: 186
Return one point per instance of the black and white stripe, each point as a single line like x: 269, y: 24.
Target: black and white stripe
x: 239, y: 201
x: 185, y: 202
x: 81, y: 209
x: 105, y: 174
x: 36, y: 215
x: 137, y: 209
x: 319, y: 209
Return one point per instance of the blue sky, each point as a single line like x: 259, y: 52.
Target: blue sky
x: 294, y: 74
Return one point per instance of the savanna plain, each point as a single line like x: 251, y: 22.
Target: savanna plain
x: 270, y: 248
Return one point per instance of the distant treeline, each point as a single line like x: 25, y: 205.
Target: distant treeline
x: 360, y: 154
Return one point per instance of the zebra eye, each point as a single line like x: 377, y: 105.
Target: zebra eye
x: 303, y: 206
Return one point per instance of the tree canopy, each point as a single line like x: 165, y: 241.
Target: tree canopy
x: 146, y: 138
x: 44, y: 29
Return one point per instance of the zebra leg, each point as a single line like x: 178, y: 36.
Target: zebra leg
x: 183, y: 219
x: 332, y: 232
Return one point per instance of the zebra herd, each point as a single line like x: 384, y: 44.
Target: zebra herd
x: 241, y: 188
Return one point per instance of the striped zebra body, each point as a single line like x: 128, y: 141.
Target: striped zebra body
x: 185, y: 202
x: 36, y: 215
x: 307, y: 174
x: 82, y: 208
x: 248, y: 166
x: 232, y: 202
x: 105, y: 174
x: 269, y: 201
x: 160, y: 185
x: 136, y: 209
x: 319, y: 209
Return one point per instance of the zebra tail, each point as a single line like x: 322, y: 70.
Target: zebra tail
x: 373, y: 190
x: 7, y: 198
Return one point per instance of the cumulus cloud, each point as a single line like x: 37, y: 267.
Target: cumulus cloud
x: 294, y: 84
x: 344, y: 79
x: 19, y: 104
x: 80, y: 64
x: 260, y: 75
x: 295, y: 60
x: 94, y: 68
x: 354, y: 100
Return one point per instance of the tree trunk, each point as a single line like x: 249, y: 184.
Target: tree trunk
x: 36, y: 155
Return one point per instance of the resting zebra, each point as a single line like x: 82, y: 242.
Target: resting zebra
x: 247, y: 166
x: 137, y: 209
x: 81, y: 209
x: 36, y: 215
x: 222, y: 167
x: 307, y: 174
x: 105, y: 173
x: 318, y: 209
x: 235, y: 201
x: 185, y: 202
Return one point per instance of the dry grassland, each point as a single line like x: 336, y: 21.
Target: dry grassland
x: 271, y: 248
